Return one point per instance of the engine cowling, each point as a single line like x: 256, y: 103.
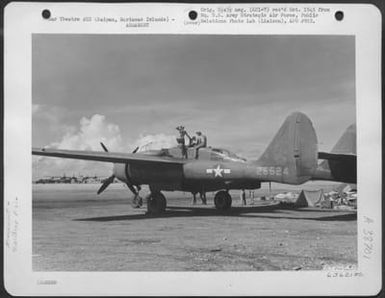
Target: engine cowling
x: 121, y: 171
x: 147, y: 173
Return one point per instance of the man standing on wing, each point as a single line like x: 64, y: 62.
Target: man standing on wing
x: 181, y: 140
x: 200, y: 143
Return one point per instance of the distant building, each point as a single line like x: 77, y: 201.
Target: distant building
x: 69, y: 180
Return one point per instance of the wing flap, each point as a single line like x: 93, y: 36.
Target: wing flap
x: 105, y: 156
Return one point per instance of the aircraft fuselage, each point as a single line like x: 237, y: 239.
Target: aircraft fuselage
x: 205, y: 174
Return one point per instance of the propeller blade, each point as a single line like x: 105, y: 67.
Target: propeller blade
x: 108, y: 181
x: 132, y: 188
x: 104, y: 147
x: 105, y: 184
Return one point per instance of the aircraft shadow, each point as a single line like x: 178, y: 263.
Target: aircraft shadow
x: 276, y: 210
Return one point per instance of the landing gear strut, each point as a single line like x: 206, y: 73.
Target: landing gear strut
x: 222, y: 200
x: 156, y: 203
x: 137, y: 200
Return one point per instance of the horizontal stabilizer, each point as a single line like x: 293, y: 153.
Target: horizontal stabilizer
x: 337, y: 156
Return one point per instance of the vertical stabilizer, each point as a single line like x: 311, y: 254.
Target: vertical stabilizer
x: 341, y: 163
x: 347, y: 143
x: 294, y: 148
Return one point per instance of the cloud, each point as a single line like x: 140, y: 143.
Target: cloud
x: 88, y: 136
x: 92, y: 131
x: 48, y: 122
x: 153, y: 142
x: 50, y: 113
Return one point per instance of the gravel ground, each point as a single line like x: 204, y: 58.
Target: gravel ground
x: 76, y: 230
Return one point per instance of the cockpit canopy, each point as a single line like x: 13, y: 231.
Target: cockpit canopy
x: 206, y: 153
x: 226, y: 154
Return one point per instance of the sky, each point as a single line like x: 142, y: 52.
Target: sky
x: 129, y: 90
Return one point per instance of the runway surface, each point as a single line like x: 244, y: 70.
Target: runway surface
x: 76, y: 230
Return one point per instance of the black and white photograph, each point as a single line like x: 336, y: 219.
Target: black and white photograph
x: 193, y: 153
x: 192, y: 149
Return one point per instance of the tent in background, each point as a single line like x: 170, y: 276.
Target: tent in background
x: 309, y: 198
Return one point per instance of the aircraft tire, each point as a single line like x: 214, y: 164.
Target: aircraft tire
x: 228, y: 202
x: 222, y: 200
x: 163, y: 202
x: 156, y: 203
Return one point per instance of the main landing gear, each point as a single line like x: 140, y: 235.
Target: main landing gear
x: 137, y: 200
x: 156, y: 203
x: 222, y: 200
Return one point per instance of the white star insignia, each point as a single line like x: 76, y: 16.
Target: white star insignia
x: 218, y: 171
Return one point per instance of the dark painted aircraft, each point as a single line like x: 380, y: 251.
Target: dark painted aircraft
x: 290, y: 158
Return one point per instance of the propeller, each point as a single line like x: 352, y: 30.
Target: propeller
x: 106, y: 183
x: 104, y: 147
x: 110, y: 179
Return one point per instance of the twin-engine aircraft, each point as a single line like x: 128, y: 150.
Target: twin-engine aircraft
x: 291, y: 158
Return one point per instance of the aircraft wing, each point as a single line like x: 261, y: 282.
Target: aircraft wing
x: 106, y: 156
x: 337, y: 156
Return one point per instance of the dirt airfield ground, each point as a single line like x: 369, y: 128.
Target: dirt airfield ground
x: 76, y: 230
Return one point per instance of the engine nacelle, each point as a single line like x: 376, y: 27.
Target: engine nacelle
x: 121, y: 171
x: 147, y: 173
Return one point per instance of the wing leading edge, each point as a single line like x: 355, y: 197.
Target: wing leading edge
x: 105, y: 156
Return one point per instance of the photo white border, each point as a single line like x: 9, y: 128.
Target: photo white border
x: 22, y: 19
